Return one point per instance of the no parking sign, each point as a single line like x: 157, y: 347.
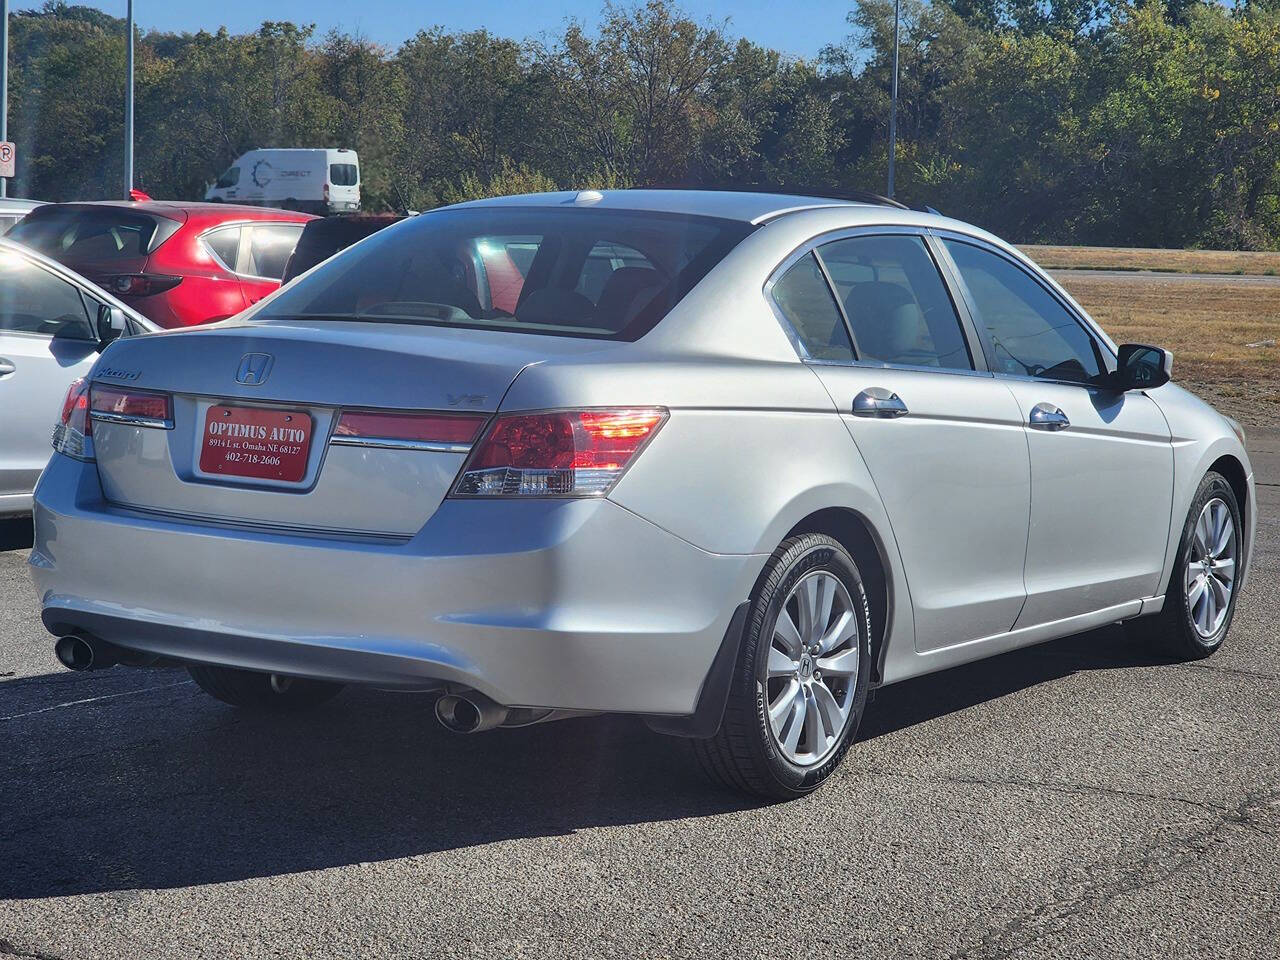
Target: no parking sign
x: 8, y: 157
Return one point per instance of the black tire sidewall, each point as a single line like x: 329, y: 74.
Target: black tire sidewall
x: 807, y: 554
x: 1214, y: 485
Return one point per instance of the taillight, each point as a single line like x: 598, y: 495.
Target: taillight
x: 71, y: 435
x: 141, y: 284
x: 571, y: 453
x: 448, y: 432
x: 139, y: 407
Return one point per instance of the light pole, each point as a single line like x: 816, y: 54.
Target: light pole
x: 893, y: 102
x: 128, y: 106
x: 4, y: 87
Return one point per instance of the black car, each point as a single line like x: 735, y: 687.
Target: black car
x: 321, y: 239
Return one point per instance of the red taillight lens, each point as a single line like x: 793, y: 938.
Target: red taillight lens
x: 572, y: 453
x: 408, y: 429
x: 141, y: 284
x: 70, y: 435
x: 139, y: 404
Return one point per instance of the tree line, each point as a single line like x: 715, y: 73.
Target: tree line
x: 1136, y: 122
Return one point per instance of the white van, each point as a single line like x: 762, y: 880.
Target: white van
x: 311, y: 180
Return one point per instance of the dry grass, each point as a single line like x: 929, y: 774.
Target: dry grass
x: 1144, y: 258
x: 1207, y: 324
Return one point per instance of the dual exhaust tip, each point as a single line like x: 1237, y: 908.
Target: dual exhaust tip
x: 465, y: 712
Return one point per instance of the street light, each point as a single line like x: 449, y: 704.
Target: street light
x: 893, y: 103
x: 128, y: 106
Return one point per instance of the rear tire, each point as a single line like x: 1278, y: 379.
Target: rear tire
x: 779, y: 737
x: 1201, y: 600
x: 261, y: 691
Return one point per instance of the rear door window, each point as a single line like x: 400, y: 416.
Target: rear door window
x: 269, y: 247
x: 224, y: 244
x: 33, y: 300
x: 897, y: 304
x: 804, y: 297
x: 344, y: 174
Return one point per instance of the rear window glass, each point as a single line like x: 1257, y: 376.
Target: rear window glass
x: 344, y: 174
x: 103, y: 234
x: 590, y: 273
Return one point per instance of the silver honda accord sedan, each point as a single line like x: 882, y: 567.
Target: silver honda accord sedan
x: 727, y: 461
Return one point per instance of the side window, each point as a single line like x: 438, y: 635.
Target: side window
x: 224, y: 244
x: 269, y: 247
x: 804, y: 297
x: 229, y: 178
x: 1032, y: 333
x: 32, y: 300
x: 896, y: 302
x: 506, y: 262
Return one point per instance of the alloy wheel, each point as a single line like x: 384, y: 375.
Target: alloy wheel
x: 1210, y: 574
x: 812, y: 672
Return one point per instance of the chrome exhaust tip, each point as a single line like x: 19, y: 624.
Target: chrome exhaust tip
x: 469, y: 713
x: 77, y: 653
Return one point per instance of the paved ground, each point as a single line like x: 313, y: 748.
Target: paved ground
x: 1074, y: 800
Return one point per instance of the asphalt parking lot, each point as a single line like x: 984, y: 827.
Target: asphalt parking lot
x: 1077, y: 799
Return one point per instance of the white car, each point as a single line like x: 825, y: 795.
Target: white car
x: 54, y: 324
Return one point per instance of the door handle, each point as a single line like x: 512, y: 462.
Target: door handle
x: 6, y: 367
x: 879, y: 403
x: 1045, y: 416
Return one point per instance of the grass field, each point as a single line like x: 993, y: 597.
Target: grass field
x: 1207, y: 323
x: 1145, y: 258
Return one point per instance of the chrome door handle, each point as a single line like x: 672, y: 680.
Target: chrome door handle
x: 6, y: 367
x: 879, y: 403
x: 1045, y: 416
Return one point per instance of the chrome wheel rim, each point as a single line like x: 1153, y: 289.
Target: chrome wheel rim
x: 1211, y: 568
x: 812, y: 671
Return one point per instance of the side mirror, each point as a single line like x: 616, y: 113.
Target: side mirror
x: 111, y: 324
x: 1142, y: 367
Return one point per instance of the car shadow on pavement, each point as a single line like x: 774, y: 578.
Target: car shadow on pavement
x: 16, y: 533
x: 120, y: 780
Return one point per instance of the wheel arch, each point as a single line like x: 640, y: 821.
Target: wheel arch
x: 859, y: 536
x: 1233, y: 470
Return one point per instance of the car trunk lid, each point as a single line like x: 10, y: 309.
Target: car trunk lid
x: 262, y: 374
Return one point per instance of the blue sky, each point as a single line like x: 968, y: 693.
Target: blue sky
x: 798, y: 29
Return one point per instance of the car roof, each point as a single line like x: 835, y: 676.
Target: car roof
x: 181, y: 209
x: 726, y: 204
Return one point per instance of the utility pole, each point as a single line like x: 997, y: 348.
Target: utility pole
x: 128, y: 105
x: 893, y: 103
x: 4, y: 87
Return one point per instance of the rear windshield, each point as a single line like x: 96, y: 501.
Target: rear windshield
x: 609, y: 274
x: 104, y: 234
x: 343, y: 174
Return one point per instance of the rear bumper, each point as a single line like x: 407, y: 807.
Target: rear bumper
x: 575, y: 605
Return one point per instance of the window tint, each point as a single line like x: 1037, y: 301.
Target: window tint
x: 896, y: 302
x: 229, y: 178
x: 269, y: 248
x: 343, y: 174
x: 519, y: 269
x: 1032, y: 333
x: 72, y: 234
x: 804, y: 297
x: 32, y: 300
x: 224, y: 244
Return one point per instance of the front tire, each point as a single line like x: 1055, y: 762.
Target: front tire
x: 1201, y: 600
x: 799, y: 686
x: 261, y: 691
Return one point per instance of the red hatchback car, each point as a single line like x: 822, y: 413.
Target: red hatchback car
x: 176, y: 263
